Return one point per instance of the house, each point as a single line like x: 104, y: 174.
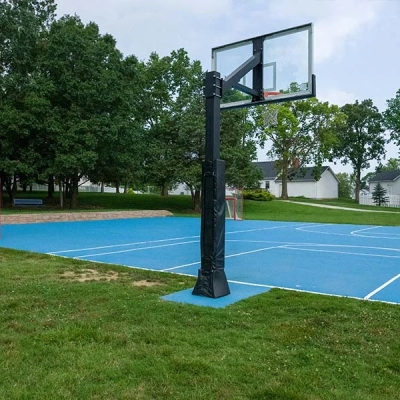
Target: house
x: 389, y: 180
x: 302, y: 184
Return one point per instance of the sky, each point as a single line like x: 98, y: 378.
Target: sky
x: 356, y: 42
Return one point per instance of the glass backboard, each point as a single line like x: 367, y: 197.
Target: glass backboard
x: 287, y: 66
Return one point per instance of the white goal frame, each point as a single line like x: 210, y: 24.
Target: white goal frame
x: 234, y: 204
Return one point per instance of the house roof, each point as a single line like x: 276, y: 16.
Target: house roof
x: 305, y: 174
x: 268, y: 169
x: 386, y: 176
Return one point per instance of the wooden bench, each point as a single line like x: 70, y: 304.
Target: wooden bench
x: 27, y: 202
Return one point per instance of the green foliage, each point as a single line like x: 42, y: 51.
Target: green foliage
x: 392, y: 118
x: 258, y: 195
x: 345, y: 185
x: 24, y: 108
x: 238, y: 148
x: 362, y: 139
x: 85, y: 69
x: 392, y: 164
x: 379, y: 195
x: 304, y: 134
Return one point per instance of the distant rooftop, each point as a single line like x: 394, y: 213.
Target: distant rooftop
x: 386, y: 176
x: 305, y: 174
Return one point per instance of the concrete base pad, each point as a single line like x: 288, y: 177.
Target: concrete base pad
x: 238, y: 292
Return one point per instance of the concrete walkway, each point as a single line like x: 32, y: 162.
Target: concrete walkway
x: 339, y: 208
x: 25, y: 218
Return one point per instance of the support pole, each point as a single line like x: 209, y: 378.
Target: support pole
x: 212, y: 280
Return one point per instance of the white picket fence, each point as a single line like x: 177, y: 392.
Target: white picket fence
x: 82, y: 188
x: 393, y: 200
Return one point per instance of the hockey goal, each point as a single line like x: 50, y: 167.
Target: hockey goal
x: 234, y: 204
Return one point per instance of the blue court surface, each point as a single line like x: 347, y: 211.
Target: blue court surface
x: 361, y: 262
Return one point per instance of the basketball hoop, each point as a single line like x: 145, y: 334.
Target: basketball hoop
x: 270, y: 113
x: 269, y: 94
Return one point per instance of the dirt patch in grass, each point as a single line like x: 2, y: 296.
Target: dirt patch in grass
x: 146, y: 283
x: 87, y: 275
x: 90, y: 275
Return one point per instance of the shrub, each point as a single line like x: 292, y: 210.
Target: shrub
x: 258, y: 195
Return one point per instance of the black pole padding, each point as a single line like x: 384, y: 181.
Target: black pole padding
x: 212, y: 281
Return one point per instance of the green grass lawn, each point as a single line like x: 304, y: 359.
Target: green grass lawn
x: 276, y: 210
x: 76, y: 330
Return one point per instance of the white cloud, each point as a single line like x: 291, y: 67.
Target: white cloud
x: 336, y: 96
x: 336, y: 21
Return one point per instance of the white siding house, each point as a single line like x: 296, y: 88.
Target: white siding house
x: 303, y: 184
x: 389, y: 180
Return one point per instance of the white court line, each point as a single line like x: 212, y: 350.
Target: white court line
x: 374, y: 235
x: 180, y: 266
x: 230, y: 256
x: 351, y: 234
x: 263, y: 229
x: 351, y: 246
x: 313, y: 292
x: 121, y: 245
x: 342, y: 252
x: 307, y: 226
x: 288, y: 245
x: 130, y: 250
x: 368, y: 296
x: 364, y: 229
x: 307, y: 229
x: 164, y: 240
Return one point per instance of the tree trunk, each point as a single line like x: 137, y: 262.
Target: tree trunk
x: 284, y: 194
x: 102, y: 187
x: 117, y: 187
x: 164, y: 190
x: 358, y: 186
x: 14, y: 185
x: 74, y: 192
x: 61, y: 188
x: 7, y: 183
x: 50, y: 186
x: 197, y: 200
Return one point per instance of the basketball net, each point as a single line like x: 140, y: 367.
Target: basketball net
x: 270, y: 112
x: 270, y: 117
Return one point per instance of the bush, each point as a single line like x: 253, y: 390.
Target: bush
x: 258, y: 195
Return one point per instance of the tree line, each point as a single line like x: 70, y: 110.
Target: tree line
x: 72, y: 106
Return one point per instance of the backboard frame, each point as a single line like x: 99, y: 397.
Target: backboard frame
x: 212, y: 281
x: 257, y: 90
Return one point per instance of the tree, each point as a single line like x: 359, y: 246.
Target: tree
x: 362, y: 138
x: 84, y: 69
x: 173, y: 102
x: 24, y: 109
x: 305, y: 133
x: 345, y: 185
x: 365, y: 180
x: 120, y: 159
x: 239, y: 148
x: 392, y: 164
x: 168, y: 91
x: 392, y: 118
x: 379, y: 195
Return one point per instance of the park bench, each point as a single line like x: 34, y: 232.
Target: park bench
x: 27, y: 202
